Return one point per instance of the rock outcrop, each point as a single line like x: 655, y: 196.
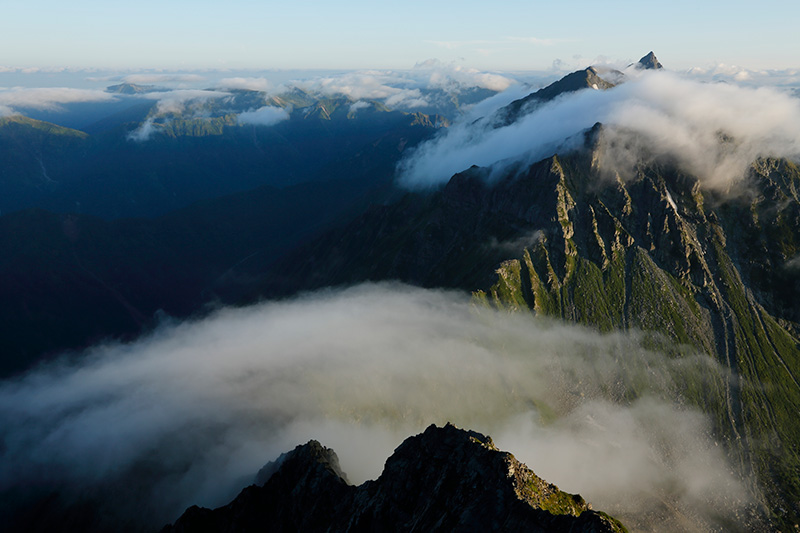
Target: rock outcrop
x: 445, y: 479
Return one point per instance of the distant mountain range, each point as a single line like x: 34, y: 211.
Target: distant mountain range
x: 200, y: 153
x: 697, y: 269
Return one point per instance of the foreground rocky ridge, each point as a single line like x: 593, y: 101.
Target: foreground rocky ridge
x: 445, y: 479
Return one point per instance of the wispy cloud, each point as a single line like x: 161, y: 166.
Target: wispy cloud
x: 176, y: 101
x: 450, y: 76
x: 51, y: 98
x: 169, y: 103
x: 406, y: 89
x: 205, y: 404
x: 264, y: 116
x: 251, y: 84
x: 655, y: 114
x: 747, y: 77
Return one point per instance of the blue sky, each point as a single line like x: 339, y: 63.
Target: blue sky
x: 356, y: 34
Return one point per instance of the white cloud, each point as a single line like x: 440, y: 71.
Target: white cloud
x: 408, y: 99
x: 406, y: 89
x: 251, y: 84
x: 454, y: 77
x: 264, y: 116
x: 747, y: 77
x: 176, y: 101
x: 656, y: 112
x: 204, y: 404
x: 359, y: 105
x: 50, y: 98
x: 143, y: 132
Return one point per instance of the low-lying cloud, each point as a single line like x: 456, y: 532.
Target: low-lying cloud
x: 249, y: 84
x: 175, y: 102
x: 189, y: 413
x: 408, y: 90
x: 712, y: 130
x: 49, y: 98
x: 264, y: 116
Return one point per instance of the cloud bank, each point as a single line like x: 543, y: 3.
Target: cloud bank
x: 250, y: 84
x: 712, y: 130
x: 407, y: 89
x: 177, y: 101
x: 264, y: 116
x: 49, y: 98
x: 189, y: 413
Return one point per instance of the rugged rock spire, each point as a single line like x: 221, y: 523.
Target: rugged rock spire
x: 649, y: 62
x: 445, y: 479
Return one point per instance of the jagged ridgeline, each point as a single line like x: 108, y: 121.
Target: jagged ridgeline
x: 656, y: 253
x: 445, y: 479
x: 648, y: 248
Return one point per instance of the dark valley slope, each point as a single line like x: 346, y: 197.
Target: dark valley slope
x: 67, y: 281
x: 190, y: 157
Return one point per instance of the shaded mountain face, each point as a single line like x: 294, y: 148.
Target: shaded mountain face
x: 200, y: 153
x: 67, y: 281
x: 588, y: 78
x: 444, y: 479
x: 655, y: 251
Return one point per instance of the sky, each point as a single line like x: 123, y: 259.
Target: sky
x: 356, y: 34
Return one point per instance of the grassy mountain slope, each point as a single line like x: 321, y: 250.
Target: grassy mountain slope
x: 655, y: 252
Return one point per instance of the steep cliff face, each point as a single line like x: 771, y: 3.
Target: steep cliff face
x: 656, y: 252
x: 444, y: 479
x: 653, y: 250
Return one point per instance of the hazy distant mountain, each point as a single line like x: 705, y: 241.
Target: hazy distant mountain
x: 193, y: 155
x: 132, y: 88
x: 588, y: 78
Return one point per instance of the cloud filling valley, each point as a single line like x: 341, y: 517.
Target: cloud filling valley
x: 187, y: 414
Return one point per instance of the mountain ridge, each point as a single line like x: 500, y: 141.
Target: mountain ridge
x: 444, y: 479
x: 655, y: 252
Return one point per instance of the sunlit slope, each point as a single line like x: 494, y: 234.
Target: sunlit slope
x: 653, y: 250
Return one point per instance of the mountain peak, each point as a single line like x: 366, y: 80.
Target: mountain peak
x: 486, y: 490
x: 650, y: 62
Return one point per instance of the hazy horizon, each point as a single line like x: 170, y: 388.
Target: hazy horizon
x: 511, y: 36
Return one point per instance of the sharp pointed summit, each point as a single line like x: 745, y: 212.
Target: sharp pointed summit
x: 650, y: 61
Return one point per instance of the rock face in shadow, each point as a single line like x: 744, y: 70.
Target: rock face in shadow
x: 445, y: 479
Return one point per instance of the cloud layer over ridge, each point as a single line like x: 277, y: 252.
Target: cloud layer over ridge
x: 187, y: 414
x: 714, y: 130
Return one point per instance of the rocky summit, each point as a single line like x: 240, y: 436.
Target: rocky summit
x: 445, y: 479
x: 649, y: 62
